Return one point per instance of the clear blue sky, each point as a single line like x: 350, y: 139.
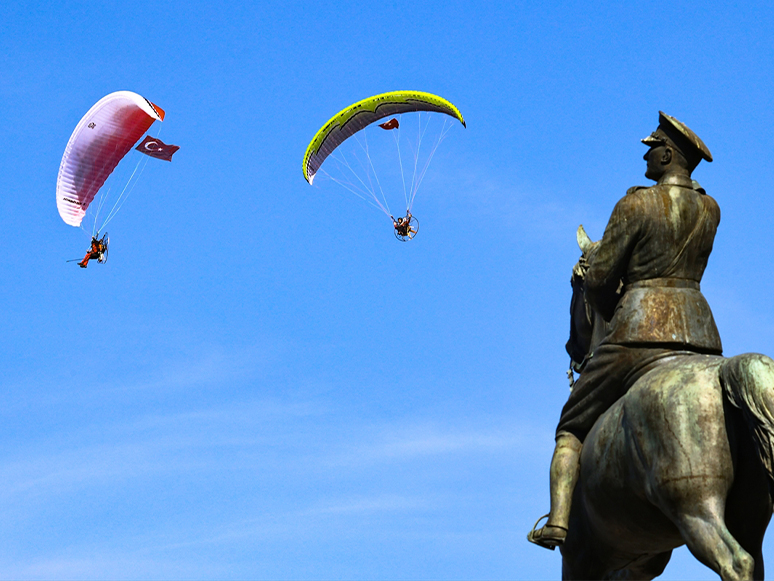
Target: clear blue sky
x: 262, y: 382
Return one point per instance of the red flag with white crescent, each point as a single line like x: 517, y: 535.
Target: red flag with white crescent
x: 391, y: 124
x: 154, y: 147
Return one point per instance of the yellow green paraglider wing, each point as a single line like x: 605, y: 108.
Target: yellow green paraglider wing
x: 358, y: 116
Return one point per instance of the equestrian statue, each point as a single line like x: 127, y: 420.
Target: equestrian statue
x: 663, y: 441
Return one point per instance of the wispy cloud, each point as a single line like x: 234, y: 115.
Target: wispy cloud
x: 145, y: 446
x: 210, y: 365
x: 406, y: 441
x: 213, y: 365
x: 105, y: 563
x: 308, y: 517
x: 371, y: 504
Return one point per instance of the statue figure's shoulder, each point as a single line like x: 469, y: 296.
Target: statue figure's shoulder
x: 634, y: 189
x: 709, y: 202
x: 634, y: 202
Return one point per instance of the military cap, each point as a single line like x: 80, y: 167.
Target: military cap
x: 678, y: 134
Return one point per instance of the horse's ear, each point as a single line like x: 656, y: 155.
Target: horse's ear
x: 583, y: 239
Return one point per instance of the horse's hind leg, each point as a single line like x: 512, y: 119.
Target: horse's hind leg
x: 711, y: 543
x: 748, y: 511
x: 751, y: 538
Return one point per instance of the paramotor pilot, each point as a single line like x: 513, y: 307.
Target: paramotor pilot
x: 97, y: 251
x: 403, y: 227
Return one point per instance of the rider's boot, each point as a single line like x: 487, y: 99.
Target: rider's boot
x: 565, y: 467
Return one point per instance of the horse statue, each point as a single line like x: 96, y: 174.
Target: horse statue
x: 685, y: 457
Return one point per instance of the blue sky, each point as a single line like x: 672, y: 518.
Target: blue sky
x: 262, y: 382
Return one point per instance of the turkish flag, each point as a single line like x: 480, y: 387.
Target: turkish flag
x: 391, y: 124
x: 154, y: 147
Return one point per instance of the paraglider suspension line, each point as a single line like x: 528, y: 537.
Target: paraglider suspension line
x: 123, y: 196
x: 373, y: 169
x: 396, y: 137
x: 124, y: 193
x: 361, y: 193
x: 447, y: 125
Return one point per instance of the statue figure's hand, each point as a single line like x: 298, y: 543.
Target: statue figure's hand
x: 580, y: 268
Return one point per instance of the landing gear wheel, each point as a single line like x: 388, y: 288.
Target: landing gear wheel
x: 411, y: 232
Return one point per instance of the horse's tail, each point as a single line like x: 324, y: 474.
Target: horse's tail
x: 748, y: 382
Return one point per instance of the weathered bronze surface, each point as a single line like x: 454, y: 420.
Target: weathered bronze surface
x: 663, y: 452
x: 674, y: 462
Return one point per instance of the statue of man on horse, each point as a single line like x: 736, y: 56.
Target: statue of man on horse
x: 664, y: 459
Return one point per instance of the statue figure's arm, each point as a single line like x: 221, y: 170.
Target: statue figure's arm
x: 609, y: 258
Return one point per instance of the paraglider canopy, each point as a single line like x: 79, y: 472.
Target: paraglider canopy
x: 361, y: 114
x: 101, y: 139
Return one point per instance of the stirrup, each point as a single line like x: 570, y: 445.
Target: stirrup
x: 538, y: 537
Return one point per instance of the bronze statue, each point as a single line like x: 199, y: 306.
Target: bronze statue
x: 658, y: 466
x: 685, y: 457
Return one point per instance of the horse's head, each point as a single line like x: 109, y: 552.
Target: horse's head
x: 581, y: 322
x: 587, y: 328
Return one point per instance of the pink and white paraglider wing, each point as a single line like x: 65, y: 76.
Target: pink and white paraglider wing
x: 100, y: 140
